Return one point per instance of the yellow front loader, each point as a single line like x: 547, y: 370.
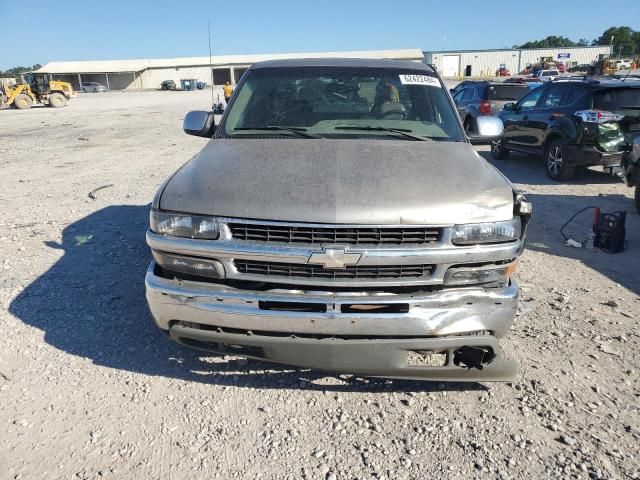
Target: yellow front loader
x: 38, y: 88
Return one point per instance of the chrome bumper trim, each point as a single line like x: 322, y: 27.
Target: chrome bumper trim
x: 447, y: 312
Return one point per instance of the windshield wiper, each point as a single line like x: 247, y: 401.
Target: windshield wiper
x: 400, y: 131
x: 300, y: 131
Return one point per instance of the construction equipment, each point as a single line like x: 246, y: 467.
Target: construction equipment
x: 36, y: 88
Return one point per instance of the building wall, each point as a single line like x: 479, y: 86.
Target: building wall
x: 485, y: 63
x: 153, y: 77
x: 117, y: 81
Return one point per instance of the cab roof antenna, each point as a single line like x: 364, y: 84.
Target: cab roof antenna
x: 210, y: 61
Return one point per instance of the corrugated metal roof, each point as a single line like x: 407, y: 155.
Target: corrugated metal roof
x: 97, y: 66
x: 113, y: 66
x: 491, y: 50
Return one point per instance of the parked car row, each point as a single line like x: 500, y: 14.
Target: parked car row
x: 573, y: 123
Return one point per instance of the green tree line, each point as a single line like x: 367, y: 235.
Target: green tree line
x: 16, y: 71
x: 625, y: 41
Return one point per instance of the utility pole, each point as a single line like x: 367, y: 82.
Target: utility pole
x: 611, y: 47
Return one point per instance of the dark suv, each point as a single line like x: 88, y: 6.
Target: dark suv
x: 485, y: 98
x: 572, y: 123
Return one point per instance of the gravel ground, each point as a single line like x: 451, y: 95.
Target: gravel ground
x: 89, y: 389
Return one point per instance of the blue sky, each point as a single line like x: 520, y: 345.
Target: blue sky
x: 116, y: 29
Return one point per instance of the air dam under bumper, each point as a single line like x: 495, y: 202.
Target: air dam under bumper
x: 226, y: 320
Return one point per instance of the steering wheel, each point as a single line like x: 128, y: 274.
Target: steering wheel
x: 396, y: 114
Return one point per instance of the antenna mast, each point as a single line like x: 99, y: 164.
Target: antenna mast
x: 210, y: 62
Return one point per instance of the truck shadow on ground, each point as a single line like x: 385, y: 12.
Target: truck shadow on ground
x: 91, y: 303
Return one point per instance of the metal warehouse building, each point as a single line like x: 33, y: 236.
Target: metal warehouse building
x: 478, y: 63
x: 148, y: 74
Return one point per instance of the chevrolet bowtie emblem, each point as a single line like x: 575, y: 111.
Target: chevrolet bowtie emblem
x: 334, y: 258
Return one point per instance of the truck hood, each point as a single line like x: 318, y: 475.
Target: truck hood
x: 382, y: 182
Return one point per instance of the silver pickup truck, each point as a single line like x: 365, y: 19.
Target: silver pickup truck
x: 340, y: 219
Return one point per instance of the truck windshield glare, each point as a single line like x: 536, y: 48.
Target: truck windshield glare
x: 324, y: 99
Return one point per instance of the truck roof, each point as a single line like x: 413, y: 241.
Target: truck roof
x: 343, y: 62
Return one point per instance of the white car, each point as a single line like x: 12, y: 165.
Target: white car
x: 547, y: 75
x: 94, y: 87
x: 623, y: 64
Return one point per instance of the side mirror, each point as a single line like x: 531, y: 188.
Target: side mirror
x: 199, y: 123
x: 489, y: 129
x: 509, y: 107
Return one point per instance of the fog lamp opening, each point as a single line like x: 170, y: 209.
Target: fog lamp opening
x: 498, y: 274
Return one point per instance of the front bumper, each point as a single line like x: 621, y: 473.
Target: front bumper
x: 331, y: 334
x: 589, y: 156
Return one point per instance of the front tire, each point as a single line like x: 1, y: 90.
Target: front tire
x: 22, y: 102
x: 556, y: 164
x: 57, y: 100
x: 498, y: 150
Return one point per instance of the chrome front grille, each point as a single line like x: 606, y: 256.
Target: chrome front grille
x: 346, y: 235
x: 275, y: 269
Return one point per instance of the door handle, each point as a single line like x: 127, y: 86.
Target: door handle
x: 526, y: 117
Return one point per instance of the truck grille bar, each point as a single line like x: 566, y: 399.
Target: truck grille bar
x: 252, y: 267
x: 285, y: 233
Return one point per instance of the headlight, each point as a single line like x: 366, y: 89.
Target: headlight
x: 201, y: 267
x: 184, y: 225
x: 497, y: 232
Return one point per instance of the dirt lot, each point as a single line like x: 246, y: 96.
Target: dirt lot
x: 89, y: 389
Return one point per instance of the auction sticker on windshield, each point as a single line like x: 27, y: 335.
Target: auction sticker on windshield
x: 413, y: 79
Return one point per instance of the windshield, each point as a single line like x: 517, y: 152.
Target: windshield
x: 342, y: 102
x: 506, y: 92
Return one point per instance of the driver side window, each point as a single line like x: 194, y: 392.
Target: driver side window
x: 530, y: 100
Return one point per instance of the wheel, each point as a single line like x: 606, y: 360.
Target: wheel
x: 638, y: 198
x: 498, y: 150
x: 23, y: 101
x: 57, y: 100
x: 555, y: 162
x: 84, y: 90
